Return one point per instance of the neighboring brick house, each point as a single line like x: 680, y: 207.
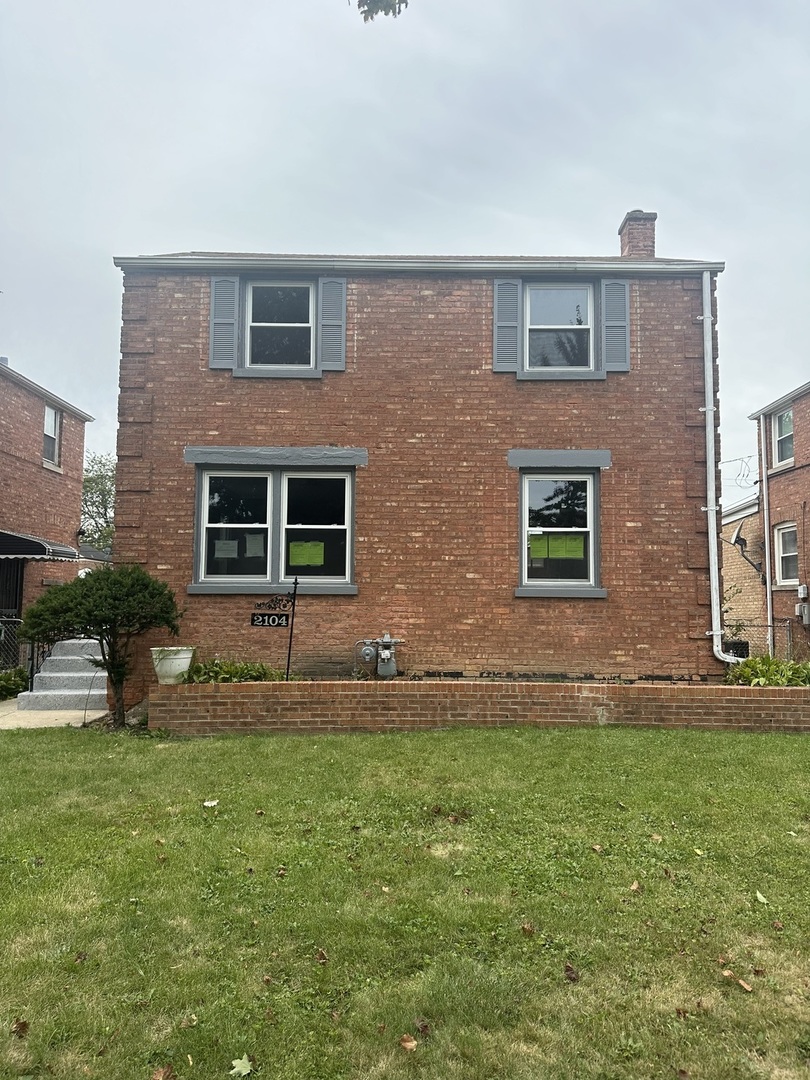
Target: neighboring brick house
x: 500, y: 460
x: 774, y: 531
x: 41, y: 468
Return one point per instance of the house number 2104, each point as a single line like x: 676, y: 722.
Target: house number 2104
x: 261, y: 618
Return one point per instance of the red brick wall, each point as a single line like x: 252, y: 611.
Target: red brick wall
x: 436, y: 542
x: 37, y: 499
x: 317, y: 707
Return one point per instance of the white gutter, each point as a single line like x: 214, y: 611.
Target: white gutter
x: 711, y: 508
x: 766, y: 524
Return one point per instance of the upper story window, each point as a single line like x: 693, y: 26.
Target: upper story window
x: 278, y: 329
x: 782, y: 424
x: 559, y: 327
x: 52, y: 438
x: 279, y: 325
x: 561, y: 330
x: 786, y: 542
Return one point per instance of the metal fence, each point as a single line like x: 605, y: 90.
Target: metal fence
x: 755, y: 636
x: 13, y: 653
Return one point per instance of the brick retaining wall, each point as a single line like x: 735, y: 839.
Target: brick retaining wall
x: 404, y: 705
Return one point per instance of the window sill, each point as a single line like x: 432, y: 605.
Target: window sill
x: 52, y: 467
x: 783, y: 466
x: 786, y: 586
x: 584, y: 592
x: 275, y: 373
x: 244, y: 589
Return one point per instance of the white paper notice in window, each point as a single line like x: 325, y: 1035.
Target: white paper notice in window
x: 254, y: 546
x: 226, y: 549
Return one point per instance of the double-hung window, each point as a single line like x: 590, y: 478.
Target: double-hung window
x: 786, y: 543
x: 782, y: 424
x: 278, y: 328
x: 559, y: 521
x: 561, y: 329
x: 268, y: 515
x: 52, y: 436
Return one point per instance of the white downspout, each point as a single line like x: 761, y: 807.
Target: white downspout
x: 716, y: 632
x: 766, y: 526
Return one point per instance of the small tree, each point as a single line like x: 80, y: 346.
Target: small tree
x: 111, y: 606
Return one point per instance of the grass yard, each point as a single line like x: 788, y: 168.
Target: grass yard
x: 517, y: 904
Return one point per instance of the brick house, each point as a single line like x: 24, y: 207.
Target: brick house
x: 502, y: 461
x: 772, y: 528
x: 41, y: 468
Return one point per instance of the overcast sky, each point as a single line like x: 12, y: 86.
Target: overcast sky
x: 522, y: 127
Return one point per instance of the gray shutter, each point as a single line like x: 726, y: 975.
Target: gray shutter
x: 332, y: 324
x: 615, y: 326
x: 508, y: 323
x: 224, y: 322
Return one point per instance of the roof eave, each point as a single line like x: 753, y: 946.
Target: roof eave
x: 417, y: 264
x: 782, y: 402
x: 40, y: 391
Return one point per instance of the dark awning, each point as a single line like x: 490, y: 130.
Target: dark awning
x: 21, y: 546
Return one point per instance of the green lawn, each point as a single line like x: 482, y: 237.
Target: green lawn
x: 520, y: 903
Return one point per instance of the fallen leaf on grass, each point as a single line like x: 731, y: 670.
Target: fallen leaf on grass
x: 571, y: 973
x: 759, y: 971
x: 656, y: 839
x: 19, y: 1027
x: 281, y: 872
x: 728, y: 973
x: 408, y: 1043
x: 635, y: 887
x: 423, y: 1027
x: 761, y: 898
x: 165, y: 1072
x: 267, y: 979
x: 241, y: 1066
x: 748, y: 989
x: 682, y: 1014
x: 321, y: 956
x: 189, y: 1021
x: 682, y: 1074
x: 597, y: 848
x: 260, y: 813
x: 777, y: 925
x: 527, y: 928
x: 80, y: 957
x: 380, y: 1028
x: 211, y: 802
x: 699, y: 851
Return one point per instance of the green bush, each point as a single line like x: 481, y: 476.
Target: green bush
x: 769, y: 671
x: 232, y: 671
x: 13, y: 682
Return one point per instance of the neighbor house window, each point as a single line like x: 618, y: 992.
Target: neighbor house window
x: 52, y: 437
x: 559, y: 323
x: 786, y: 542
x: 783, y: 437
x: 280, y: 325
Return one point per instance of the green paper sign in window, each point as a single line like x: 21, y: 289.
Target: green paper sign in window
x: 306, y: 553
x: 538, y: 547
x: 566, y: 547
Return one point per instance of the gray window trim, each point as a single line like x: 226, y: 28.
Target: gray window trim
x: 317, y: 457
x: 275, y: 468
x: 558, y: 459
x: 589, y: 462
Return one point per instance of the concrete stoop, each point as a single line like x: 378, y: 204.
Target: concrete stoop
x: 68, y: 680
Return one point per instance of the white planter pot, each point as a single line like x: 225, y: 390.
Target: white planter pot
x: 171, y: 663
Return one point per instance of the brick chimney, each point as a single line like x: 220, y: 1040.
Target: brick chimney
x: 637, y: 233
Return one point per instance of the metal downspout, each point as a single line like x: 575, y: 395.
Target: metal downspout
x: 711, y: 507
x: 766, y: 526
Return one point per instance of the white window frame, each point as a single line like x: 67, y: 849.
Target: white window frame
x: 285, y: 476
x: 777, y: 460
x: 266, y: 527
x: 779, y: 534
x: 274, y: 528
x: 249, y: 324
x: 590, y: 325
x: 527, y: 532
x: 55, y: 416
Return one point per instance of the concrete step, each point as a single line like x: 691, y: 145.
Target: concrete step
x: 71, y: 681
x: 71, y: 665
x: 56, y: 700
x: 76, y: 647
